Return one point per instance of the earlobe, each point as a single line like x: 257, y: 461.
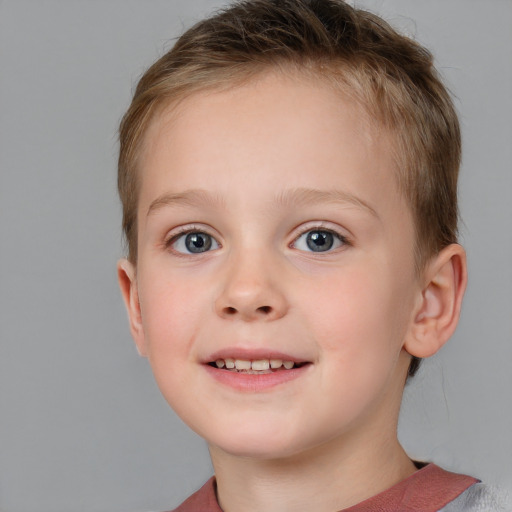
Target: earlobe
x: 128, y: 283
x: 439, y: 304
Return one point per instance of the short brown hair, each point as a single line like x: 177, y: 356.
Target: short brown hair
x: 390, y: 75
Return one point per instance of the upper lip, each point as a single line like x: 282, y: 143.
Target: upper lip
x: 252, y: 354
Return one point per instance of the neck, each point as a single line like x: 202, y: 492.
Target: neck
x: 333, y: 476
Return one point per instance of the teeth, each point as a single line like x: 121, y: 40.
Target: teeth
x: 260, y: 365
x: 241, y: 364
x: 257, y: 365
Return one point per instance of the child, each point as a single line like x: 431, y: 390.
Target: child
x: 288, y: 174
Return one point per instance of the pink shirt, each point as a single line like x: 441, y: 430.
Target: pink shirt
x: 427, y: 490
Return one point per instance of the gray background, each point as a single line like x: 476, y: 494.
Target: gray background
x: 82, y: 425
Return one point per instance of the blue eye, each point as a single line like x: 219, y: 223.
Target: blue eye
x: 318, y: 240
x: 194, y: 242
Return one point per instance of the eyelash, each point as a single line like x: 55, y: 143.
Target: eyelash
x: 341, y: 239
x: 182, y: 234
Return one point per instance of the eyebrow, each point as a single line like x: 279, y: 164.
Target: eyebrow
x: 308, y: 196
x: 192, y: 197
x: 298, y: 197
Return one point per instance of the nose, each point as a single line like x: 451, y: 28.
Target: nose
x: 252, y: 290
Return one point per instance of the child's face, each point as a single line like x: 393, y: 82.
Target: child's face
x: 271, y: 228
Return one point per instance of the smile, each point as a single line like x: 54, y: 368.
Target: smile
x: 255, y: 371
x: 258, y: 366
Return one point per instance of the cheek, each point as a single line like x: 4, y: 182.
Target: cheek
x: 171, y: 314
x: 360, y: 316
x: 360, y: 335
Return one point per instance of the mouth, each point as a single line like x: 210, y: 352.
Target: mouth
x: 255, y: 370
x: 255, y: 366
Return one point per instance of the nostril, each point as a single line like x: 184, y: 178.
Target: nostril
x: 249, y: 312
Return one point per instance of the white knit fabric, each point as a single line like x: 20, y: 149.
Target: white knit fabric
x: 481, y: 498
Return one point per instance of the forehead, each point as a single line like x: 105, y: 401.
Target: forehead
x: 286, y: 114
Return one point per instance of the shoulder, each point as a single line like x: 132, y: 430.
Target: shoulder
x: 481, y: 498
x: 204, y: 500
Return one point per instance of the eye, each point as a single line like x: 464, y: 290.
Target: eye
x: 319, y: 240
x: 193, y: 242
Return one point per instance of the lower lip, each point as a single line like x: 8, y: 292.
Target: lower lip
x: 254, y: 383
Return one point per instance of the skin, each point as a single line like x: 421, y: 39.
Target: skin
x: 263, y: 161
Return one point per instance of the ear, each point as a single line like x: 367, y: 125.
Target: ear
x: 439, y: 302
x: 126, y: 276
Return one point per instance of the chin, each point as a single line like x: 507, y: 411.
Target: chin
x: 258, y: 445
x: 262, y: 451
x: 261, y: 443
